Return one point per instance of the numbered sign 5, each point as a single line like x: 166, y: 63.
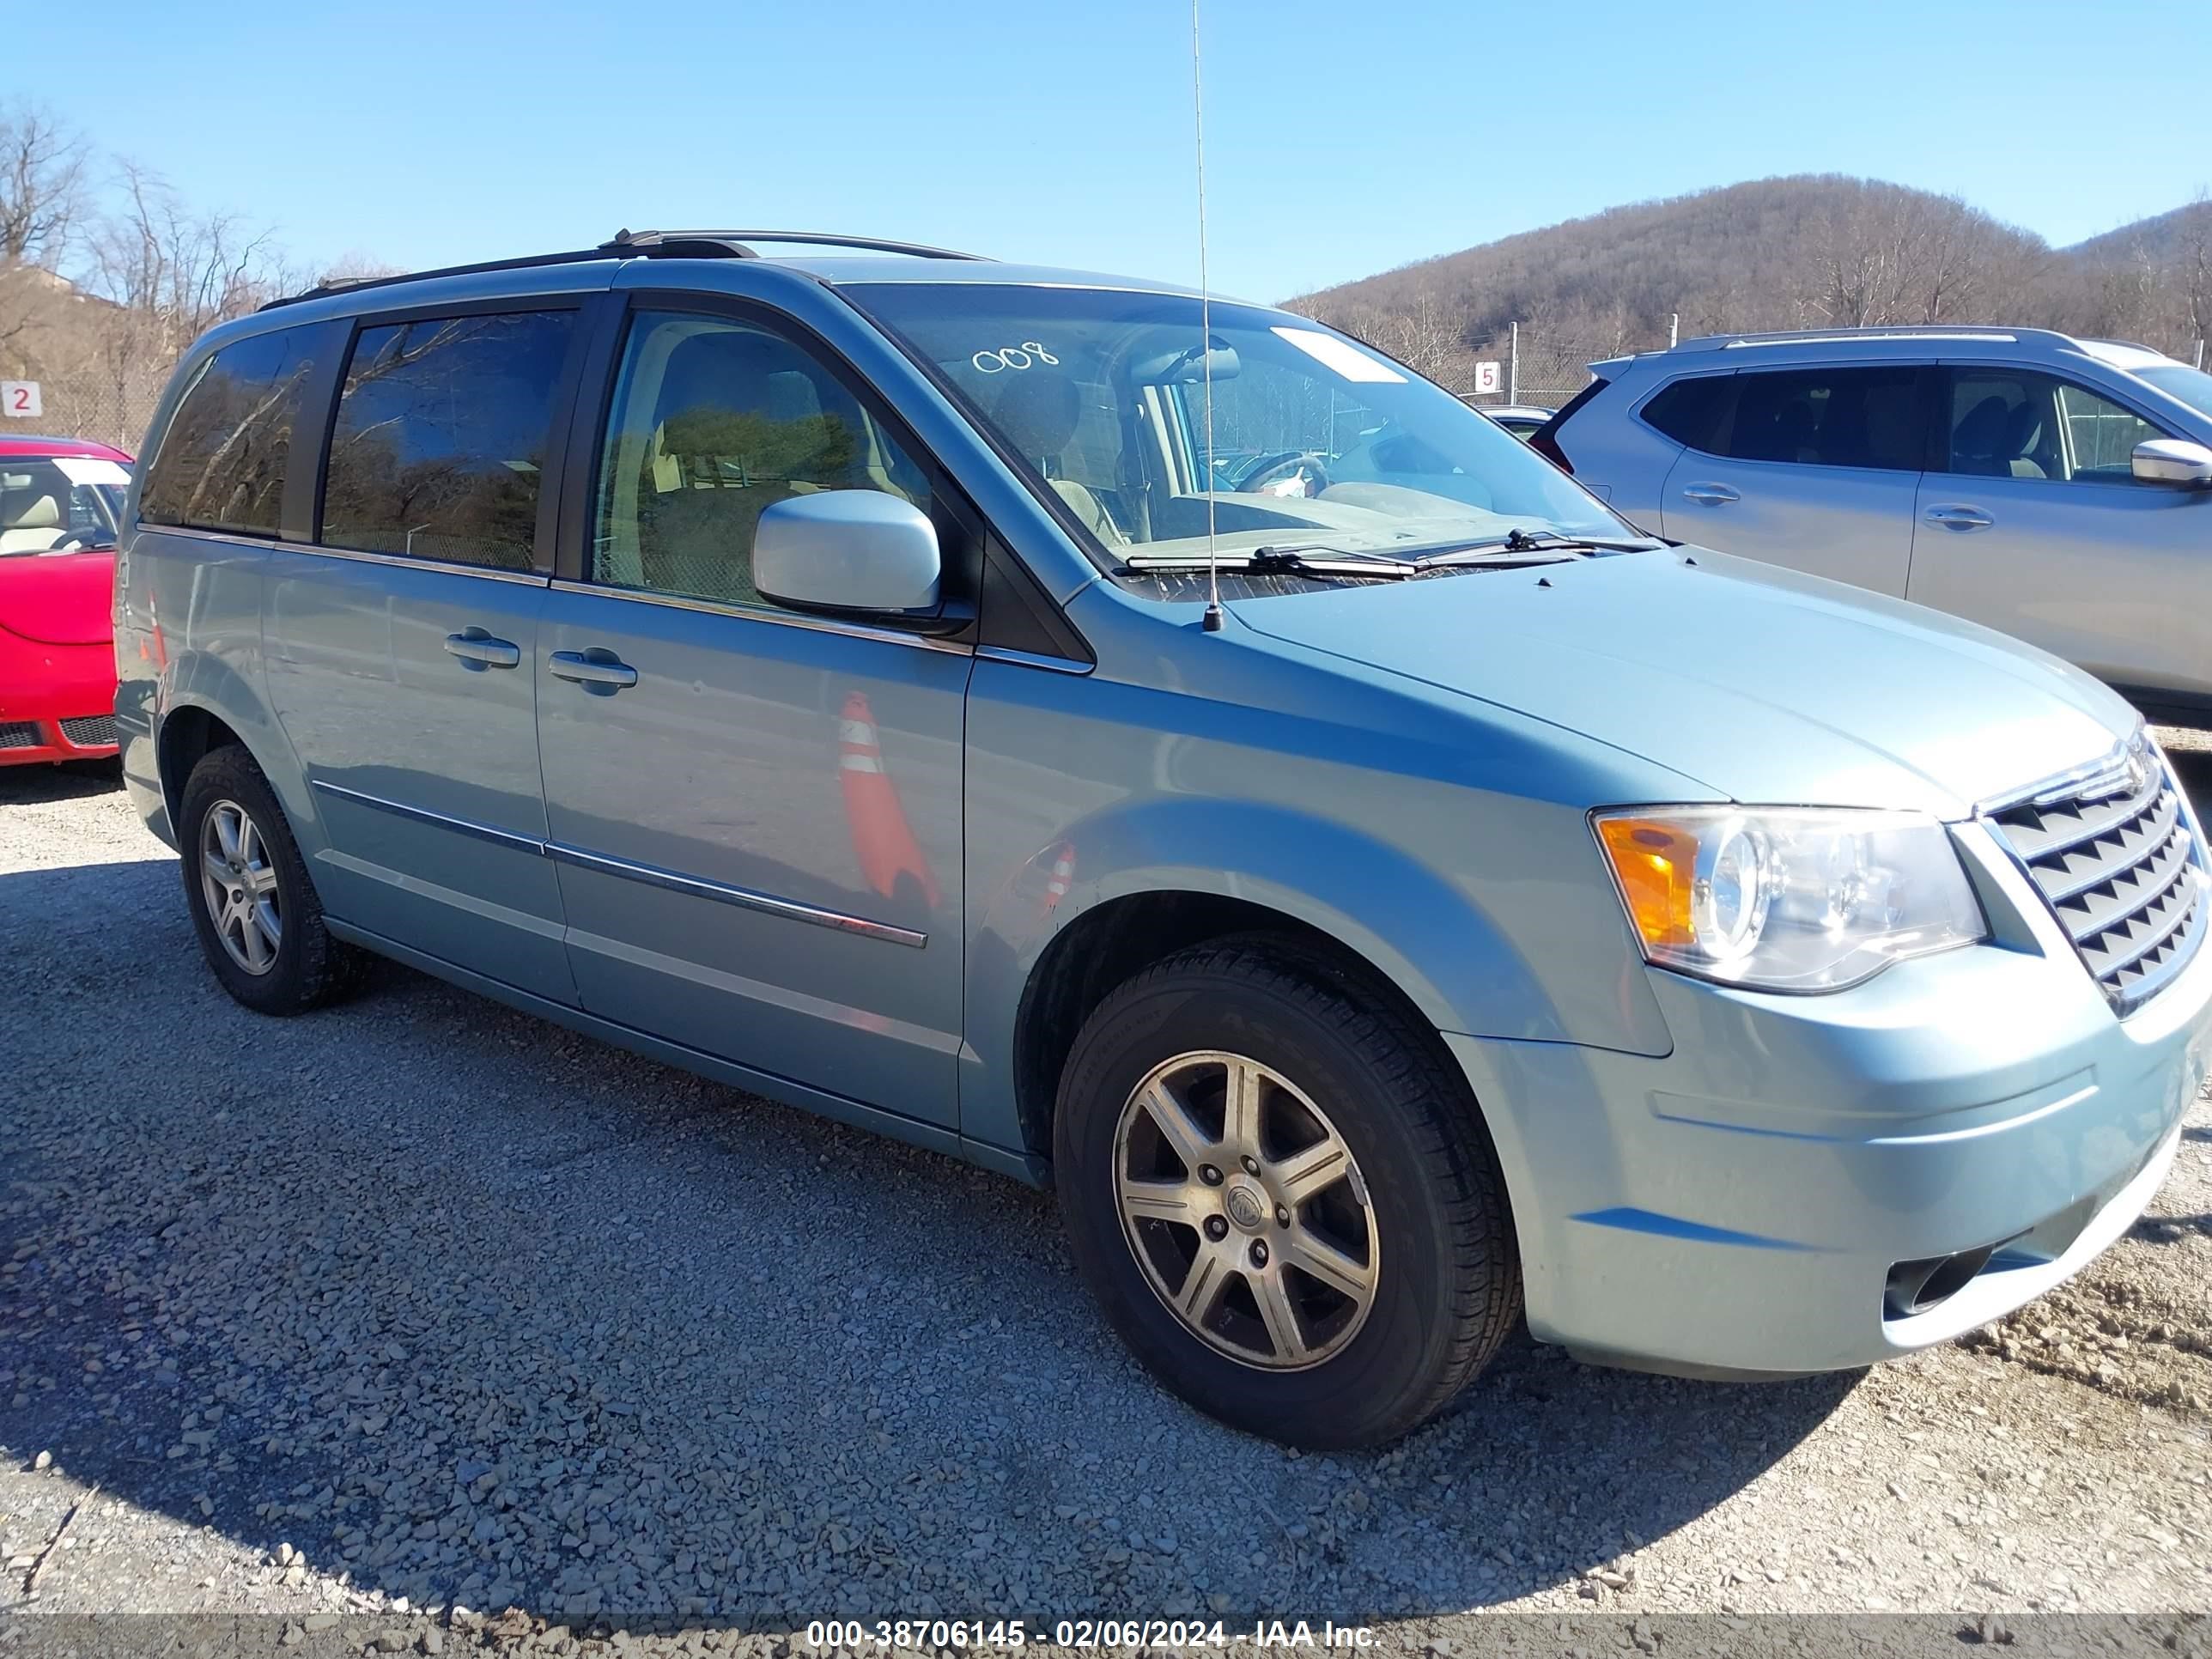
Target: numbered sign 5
x: 20, y: 399
x: 1486, y: 377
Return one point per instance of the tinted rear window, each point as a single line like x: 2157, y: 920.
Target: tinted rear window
x: 441, y: 437
x: 221, y: 464
x: 1694, y: 411
x: 1865, y: 417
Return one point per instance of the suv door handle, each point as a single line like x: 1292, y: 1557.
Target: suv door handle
x: 1710, y: 495
x: 1960, y: 517
x: 479, y: 651
x: 598, y: 671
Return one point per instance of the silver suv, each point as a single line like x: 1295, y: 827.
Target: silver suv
x: 2057, y: 490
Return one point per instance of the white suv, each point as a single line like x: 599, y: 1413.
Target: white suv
x: 2057, y: 490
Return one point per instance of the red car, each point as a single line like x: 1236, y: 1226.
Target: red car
x: 60, y: 502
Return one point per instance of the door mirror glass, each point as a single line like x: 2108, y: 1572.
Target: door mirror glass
x: 850, y: 550
x: 2174, y: 461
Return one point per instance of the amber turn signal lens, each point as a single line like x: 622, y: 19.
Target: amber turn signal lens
x: 1655, y: 864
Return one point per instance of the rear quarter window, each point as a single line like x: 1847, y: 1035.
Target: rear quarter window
x: 221, y: 463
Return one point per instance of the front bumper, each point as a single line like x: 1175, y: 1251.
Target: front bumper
x: 1743, y: 1205
x: 56, y: 702
x: 75, y: 738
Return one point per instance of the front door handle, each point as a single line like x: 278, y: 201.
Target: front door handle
x: 596, y: 670
x: 1710, y: 495
x: 1960, y: 517
x: 479, y: 651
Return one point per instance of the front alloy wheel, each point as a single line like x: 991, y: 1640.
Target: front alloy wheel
x: 1276, y: 1182
x: 1246, y: 1211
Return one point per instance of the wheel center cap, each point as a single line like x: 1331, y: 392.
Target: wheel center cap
x: 1247, y: 1208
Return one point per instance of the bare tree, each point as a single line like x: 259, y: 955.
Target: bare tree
x: 1425, y: 335
x: 42, y: 186
x: 2193, y: 274
x: 176, y: 272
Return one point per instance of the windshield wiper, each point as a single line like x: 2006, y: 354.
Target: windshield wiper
x: 1516, y: 546
x: 1517, y: 543
x: 1310, y: 559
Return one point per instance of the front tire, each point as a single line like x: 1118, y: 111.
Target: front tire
x: 258, y: 919
x: 1283, y: 1195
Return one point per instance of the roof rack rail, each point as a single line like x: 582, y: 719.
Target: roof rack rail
x: 642, y: 244
x: 347, y: 285
x: 724, y: 243
x: 1875, y: 331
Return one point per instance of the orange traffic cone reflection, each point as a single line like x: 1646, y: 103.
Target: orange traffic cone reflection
x: 883, y: 841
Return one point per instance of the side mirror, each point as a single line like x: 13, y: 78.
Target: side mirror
x: 2174, y: 461
x: 847, y: 549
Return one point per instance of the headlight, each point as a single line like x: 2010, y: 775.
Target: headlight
x: 1787, y: 898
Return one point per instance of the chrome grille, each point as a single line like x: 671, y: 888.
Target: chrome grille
x: 2113, y: 857
x: 90, y: 730
x: 21, y: 734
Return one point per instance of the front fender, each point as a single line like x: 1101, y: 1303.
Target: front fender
x: 1420, y: 930
x: 1423, y: 928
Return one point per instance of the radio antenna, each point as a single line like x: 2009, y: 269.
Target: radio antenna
x: 1213, y: 624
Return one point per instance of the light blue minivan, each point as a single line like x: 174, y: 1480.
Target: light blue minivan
x: 1171, y: 751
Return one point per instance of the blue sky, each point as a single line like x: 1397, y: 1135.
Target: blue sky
x: 1341, y: 139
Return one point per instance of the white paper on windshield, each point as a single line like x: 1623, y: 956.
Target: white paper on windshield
x: 1345, y: 359
x: 91, y: 470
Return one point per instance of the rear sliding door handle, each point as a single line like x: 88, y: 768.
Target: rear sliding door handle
x: 477, y: 650
x: 1960, y: 517
x: 1710, y: 495
x: 596, y: 670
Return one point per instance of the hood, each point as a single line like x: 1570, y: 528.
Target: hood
x: 58, y: 598
x: 1766, y: 686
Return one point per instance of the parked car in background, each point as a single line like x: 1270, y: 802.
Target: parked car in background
x: 1523, y: 421
x: 801, y: 668
x: 2057, y: 490
x: 60, y: 502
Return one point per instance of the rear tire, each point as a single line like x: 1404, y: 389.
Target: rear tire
x: 258, y: 919
x: 1342, y: 1244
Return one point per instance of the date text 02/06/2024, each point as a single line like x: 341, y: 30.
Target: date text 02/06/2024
x: 1082, y: 1633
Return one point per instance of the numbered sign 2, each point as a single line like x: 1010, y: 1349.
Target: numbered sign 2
x: 20, y: 399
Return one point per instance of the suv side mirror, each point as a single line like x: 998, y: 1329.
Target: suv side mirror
x: 847, y: 549
x: 2174, y: 461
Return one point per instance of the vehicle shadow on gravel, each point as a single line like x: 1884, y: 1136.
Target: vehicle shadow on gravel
x: 44, y: 783
x: 466, y: 1308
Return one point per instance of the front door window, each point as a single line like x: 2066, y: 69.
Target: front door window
x: 714, y: 422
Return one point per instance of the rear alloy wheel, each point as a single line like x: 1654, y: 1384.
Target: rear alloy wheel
x: 240, y: 886
x: 257, y: 913
x: 1280, y: 1191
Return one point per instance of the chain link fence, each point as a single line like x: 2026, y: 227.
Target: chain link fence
x: 1535, y: 366
x: 98, y: 409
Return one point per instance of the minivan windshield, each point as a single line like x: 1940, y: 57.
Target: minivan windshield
x: 1318, y: 442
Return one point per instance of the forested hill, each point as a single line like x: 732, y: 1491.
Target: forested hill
x: 1787, y: 252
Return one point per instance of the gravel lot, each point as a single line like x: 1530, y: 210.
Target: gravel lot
x: 419, y: 1300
